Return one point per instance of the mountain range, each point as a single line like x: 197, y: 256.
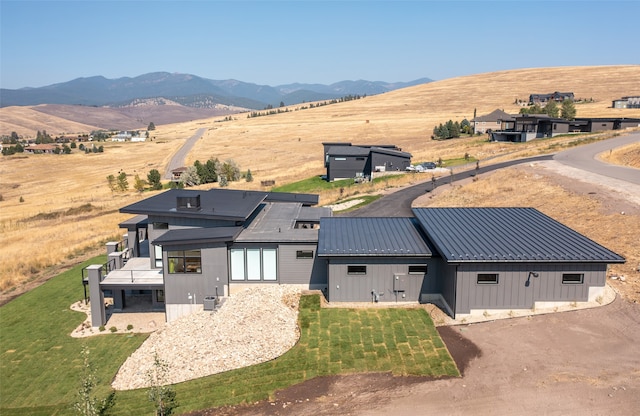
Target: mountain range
x: 190, y: 90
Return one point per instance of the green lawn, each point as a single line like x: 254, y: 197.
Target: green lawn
x: 41, y: 364
x: 312, y: 185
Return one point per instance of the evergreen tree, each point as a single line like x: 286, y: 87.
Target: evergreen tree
x: 568, y: 111
x: 551, y: 109
x: 123, y: 183
x: 249, y: 177
x: 153, y: 177
x: 151, y: 127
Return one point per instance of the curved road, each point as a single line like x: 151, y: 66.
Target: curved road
x: 177, y: 160
x: 398, y: 204
x: 585, y: 158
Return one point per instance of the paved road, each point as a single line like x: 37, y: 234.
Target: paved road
x: 178, y: 158
x: 584, y: 158
x: 398, y: 204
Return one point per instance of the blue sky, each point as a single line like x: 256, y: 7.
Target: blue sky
x: 281, y: 42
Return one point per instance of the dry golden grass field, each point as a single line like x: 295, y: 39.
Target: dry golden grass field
x: 54, y: 209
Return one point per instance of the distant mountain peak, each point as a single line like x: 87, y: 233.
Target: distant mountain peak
x: 186, y: 89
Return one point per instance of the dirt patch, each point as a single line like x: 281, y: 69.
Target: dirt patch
x: 330, y: 395
x: 461, y: 349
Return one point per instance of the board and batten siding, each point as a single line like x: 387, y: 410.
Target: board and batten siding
x: 179, y: 286
x: 301, y: 271
x: 379, y: 278
x: 512, y: 291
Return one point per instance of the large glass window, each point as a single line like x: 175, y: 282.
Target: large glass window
x: 184, y: 261
x: 269, y: 268
x: 254, y: 264
x: 237, y: 264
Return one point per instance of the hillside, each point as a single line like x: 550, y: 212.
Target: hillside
x: 50, y: 202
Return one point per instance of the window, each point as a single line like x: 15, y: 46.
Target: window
x: 160, y: 226
x: 340, y: 158
x: 304, y: 254
x: 157, y: 250
x: 487, y: 278
x: 356, y: 269
x: 418, y: 269
x: 359, y: 158
x: 269, y: 260
x: 237, y: 264
x: 187, y: 261
x: 572, y: 278
x: 254, y: 264
x: 160, y: 296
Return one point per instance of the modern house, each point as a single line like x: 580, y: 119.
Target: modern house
x: 347, y: 161
x: 626, y: 102
x: 185, y: 249
x: 554, y: 96
x: 525, y: 127
x: 490, y: 122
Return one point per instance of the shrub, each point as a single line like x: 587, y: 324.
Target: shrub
x: 113, y: 329
x: 129, y: 327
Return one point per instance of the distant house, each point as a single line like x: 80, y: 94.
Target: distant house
x: 490, y: 122
x: 347, y: 161
x: 122, y: 136
x: 176, y: 173
x: 41, y: 148
x: 554, y: 96
x: 627, y: 102
x: 526, y: 127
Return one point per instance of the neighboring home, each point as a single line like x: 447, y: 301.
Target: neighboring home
x: 135, y: 139
x: 177, y: 172
x: 185, y: 249
x: 554, y: 96
x: 490, y: 122
x: 41, y: 148
x: 347, y: 161
x: 122, y: 136
x: 525, y: 127
x: 627, y: 102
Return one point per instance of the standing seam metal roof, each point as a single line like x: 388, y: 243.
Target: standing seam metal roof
x: 507, y: 234
x: 361, y: 236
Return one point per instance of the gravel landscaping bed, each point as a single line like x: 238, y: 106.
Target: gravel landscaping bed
x: 251, y: 327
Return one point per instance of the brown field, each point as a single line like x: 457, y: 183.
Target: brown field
x: 625, y: 156
x: 54, y: 226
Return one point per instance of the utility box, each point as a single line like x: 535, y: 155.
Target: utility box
x: 210, y: 303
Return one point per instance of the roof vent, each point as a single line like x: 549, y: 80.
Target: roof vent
x: 188, y: 203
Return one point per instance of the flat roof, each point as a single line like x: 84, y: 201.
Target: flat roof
x: 507, y: 235
x: 198, y: 236
x: 373, y: 236
x: 224, y: 204
x: 276, y: 223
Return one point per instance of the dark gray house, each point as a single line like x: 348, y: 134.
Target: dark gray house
x: 468, y: 260
x: 525, y: 127
x: 185, y: 249
x: 347, y: 161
